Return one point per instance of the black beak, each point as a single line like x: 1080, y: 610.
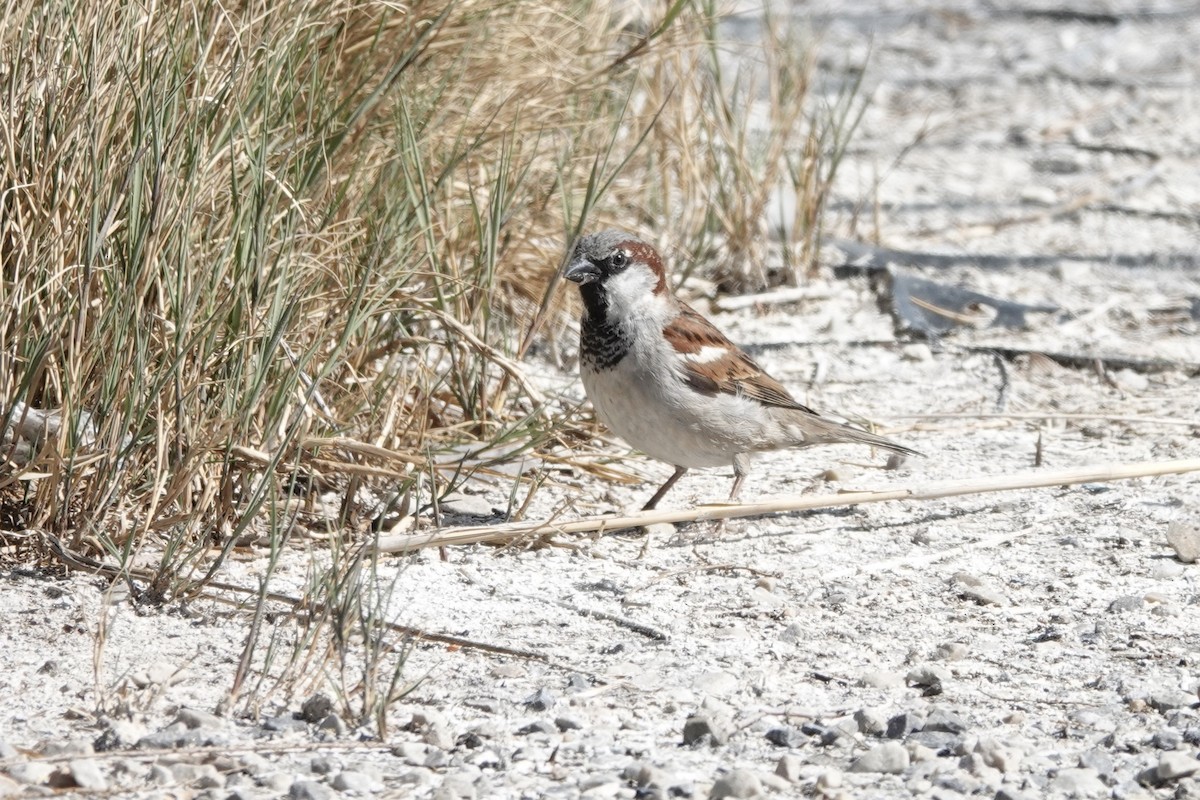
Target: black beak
x: 582, y: 272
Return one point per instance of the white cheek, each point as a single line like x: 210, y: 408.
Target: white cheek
x: 630, y: 293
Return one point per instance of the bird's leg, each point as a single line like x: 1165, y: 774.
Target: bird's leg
x: 664, y: 488
x: 741, y: 468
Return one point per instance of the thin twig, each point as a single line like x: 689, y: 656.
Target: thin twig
x: 939, y: 489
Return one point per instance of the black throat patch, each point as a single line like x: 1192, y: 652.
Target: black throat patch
x: 602, y: 345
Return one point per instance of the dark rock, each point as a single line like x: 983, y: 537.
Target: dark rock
x: 316, y: 708
x: 902, y: 725
x: 541, y: 700
x: 785, y: 736
x: 701, y: 727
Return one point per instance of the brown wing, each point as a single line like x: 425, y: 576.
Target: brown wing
x: 732, y: 372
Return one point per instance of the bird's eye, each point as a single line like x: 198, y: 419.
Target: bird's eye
x: 618, y: 259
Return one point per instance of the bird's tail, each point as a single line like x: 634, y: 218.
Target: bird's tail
x: 819, y: 430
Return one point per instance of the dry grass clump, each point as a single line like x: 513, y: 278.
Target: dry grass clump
x: 255, y: 253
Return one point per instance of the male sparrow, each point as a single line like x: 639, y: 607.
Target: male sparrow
x: 668, y: 382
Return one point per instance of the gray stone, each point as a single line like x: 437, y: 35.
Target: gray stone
x: 537, y: 726
x: 1167, y: 739
x: 565, y: 723
x: 946, y: 721
x: 889, y: 758
x: 941, y: 742
x: 880, y: 679
x: 785, y: 736
x: 488, y: 705
x: 161, y: 673
x: 950, y: 651
x: 541, y: 700
x: 466, y: 505
x: 194, y: 718
x: 458, y: 785
x: 199, y: 776
x: 353, y: 781
x: 1098, y: 760
x: 1079, y: 782
x: 1175, y: 765
x: 334, y: 724
x: 738, y: 783
x: 160, y: 775
x: 87, y: 775
x: 871, y: 721
x: 789, y: 767
x: 285, y: 724
x: 33, y: 773
x: 927, y: 675
x: 72, y: 747
x: 978, y: 590
x: 1130, y: 602
x: 716, y: 682
x: 1010, y: 793
x: 701, y: 727
x: 324, y: 765
x: 902, y: 725
x: 998, y: 754
x: 309, y: 790
x: 1184, y: 537
x: 1169, y: 699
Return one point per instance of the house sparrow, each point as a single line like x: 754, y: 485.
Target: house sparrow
x: 668, y: 382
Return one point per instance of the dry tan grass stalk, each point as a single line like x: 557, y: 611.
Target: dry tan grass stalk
x: 1102, y: 473
x: 1041, y: 415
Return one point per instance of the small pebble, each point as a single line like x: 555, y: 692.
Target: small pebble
x: 880, y: 679
x: 1164, y: 700
x: 1184, y: 537
x: 1175, y: 765
x: 324, y: 765
x: 282, y: 724
x: 830, y: 779
x: 738, y: 783
x: 1130, y: 602
x: 1079, y: 782
x: 541, y: 700
x: 195, y: 718
x: 928, y: 676
x: 316, y: 708
x: 888, y: 758
x: 352, y: 781
x: 785, y: 736
x: 565, y: 723
x: 979, y: 590
x: 309, y: 790
x: 902, y: 725
x: 87, y: 775
x: 33, y: 773
x: 1000, y: 755
x: 466, y: 505
x: 539, y: 726
x: 698, y: 727
x: 950, y: 651
x: 335, y: 725
x: 871, y: 721
x: 946, y: 721
x: 789, y: 767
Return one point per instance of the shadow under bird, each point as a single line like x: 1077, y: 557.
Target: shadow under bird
x: 663, y: 378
